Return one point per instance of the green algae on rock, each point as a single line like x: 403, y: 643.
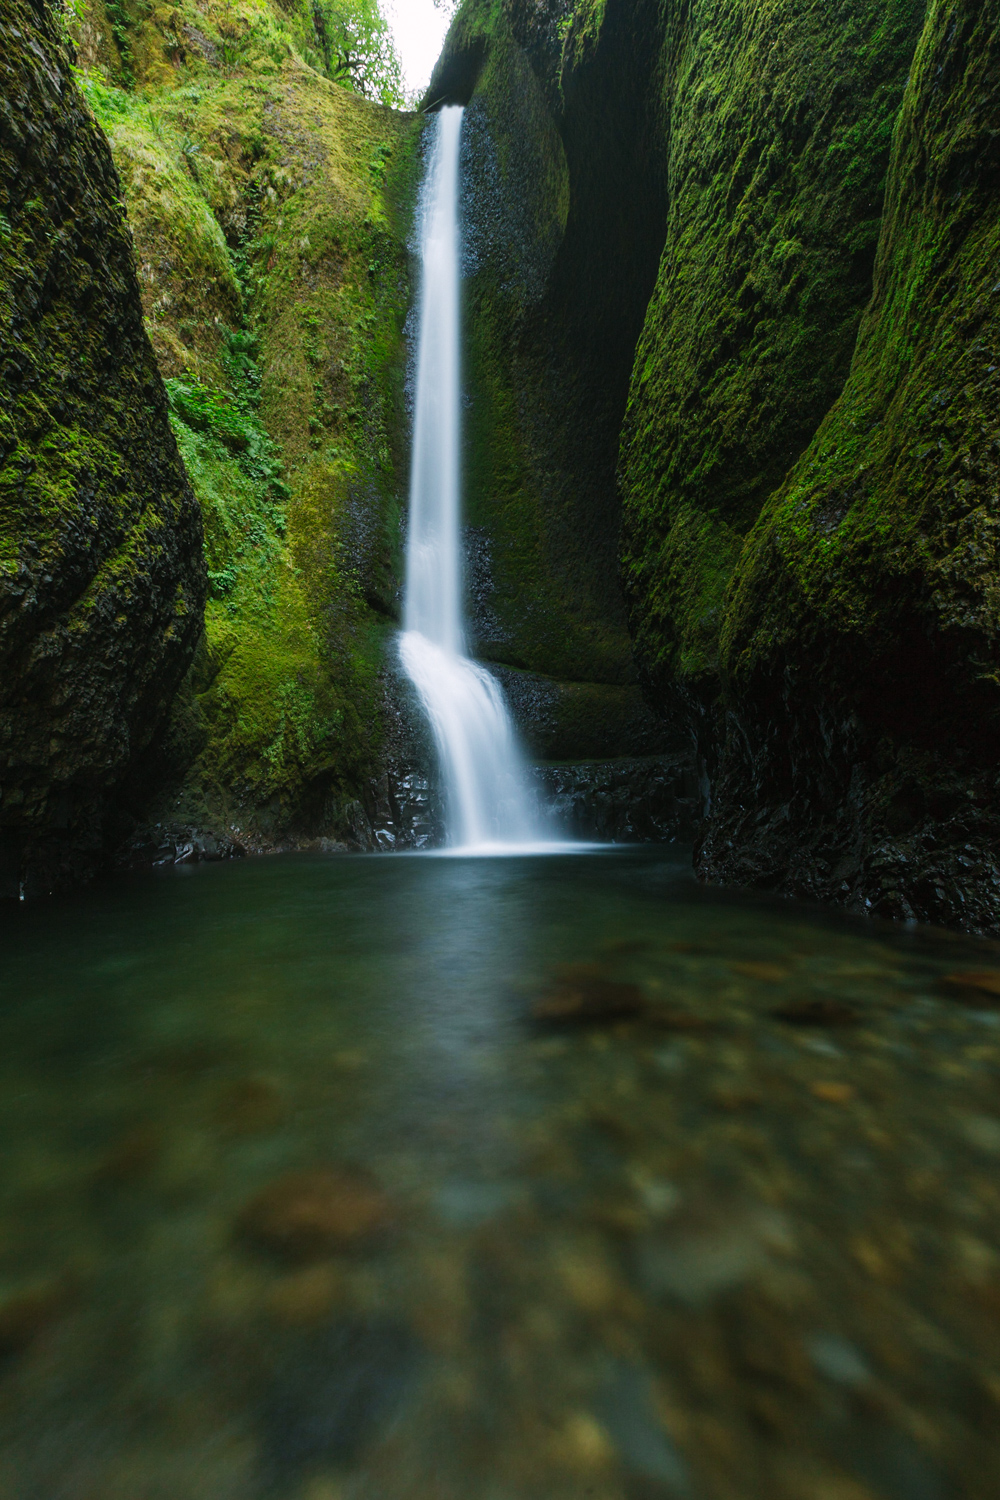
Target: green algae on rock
x: 269, y: 211
x: 778, y: 127
x: 102, y: 579
x: 860, y: 636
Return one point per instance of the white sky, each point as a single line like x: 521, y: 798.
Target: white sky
x: 419, y: 31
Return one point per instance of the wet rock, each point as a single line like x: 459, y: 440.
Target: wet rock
x: 26, y: 1314
x: 817, y: 1013
x: 838, y: 1360
x: 333, y: 1393
x: 249, y: 1106
x: 307, y: 1297
x: 770, y: 973
x: 734, y: 1097
x: 627, y: 1409
x: 583, y: 993
x: 980, y: 987
x: 710, y: 1247
x: 307, y: 1216
x: 130, y: 1158
x: 983, y: 1132
x: 832, y: 1092
x: 622, y: 801
x: 665, y: 1019
x: 178, y: 846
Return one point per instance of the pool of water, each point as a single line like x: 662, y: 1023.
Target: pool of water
x: 317, y: 1184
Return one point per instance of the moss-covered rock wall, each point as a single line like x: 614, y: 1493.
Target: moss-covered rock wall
x: 270, y: 212
x: 860, y: 636
x: 102, y: 578
x: 779, y: 121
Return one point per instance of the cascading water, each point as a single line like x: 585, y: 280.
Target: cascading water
x: 487, y: 803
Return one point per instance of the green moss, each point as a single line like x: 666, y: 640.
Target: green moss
x: 268, y: 213
x: 780, y: 121
x: 101, y: 568
x: 882, y: 545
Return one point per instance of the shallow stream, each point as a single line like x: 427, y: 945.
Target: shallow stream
x: 301, y: 1201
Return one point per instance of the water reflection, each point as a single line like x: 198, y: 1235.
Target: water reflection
x: 519, y: 1178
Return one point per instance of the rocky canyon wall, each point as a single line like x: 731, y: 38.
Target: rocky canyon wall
x: 102, y: 575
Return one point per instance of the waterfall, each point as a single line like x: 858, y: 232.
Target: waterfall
x: 483, y: 774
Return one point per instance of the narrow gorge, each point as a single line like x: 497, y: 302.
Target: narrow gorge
x: 499, y: 790
x: 730, y: 451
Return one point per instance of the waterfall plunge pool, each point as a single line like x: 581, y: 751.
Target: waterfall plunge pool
x: 300, y: 1200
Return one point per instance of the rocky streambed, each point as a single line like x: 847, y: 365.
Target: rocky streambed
x: 329, y: 1178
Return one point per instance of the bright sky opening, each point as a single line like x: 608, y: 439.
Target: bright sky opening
x: 418, y: 28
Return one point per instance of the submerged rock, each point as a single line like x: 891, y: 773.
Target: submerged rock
x: 333, y: 1393
x: 817, y: 1013
x: 974, y: 988
x: 585, y: 993
x: 249, y: 1106
x: 307, y: 1216
x: 26, y: 1314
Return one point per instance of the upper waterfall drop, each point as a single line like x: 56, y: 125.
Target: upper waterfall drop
x: 483, y: 773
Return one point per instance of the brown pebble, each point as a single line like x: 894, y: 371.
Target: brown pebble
x: 585, y: 994
x: 817, y: 1013
x: 601, y: 1000
x: 248, y: 1106
x: 772, y: 973
x: 734, y: 1097
x: 130, y: 1158
x: 975, y: 987
x: 26, y: 1314
x: 307, y: 1296
x: 680, y: 1020
x: 832, y: 1092
x: 308, y: 1216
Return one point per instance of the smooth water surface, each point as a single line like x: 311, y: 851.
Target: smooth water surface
x: 298, y: 1201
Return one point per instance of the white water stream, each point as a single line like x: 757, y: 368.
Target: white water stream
x: 488, y: 808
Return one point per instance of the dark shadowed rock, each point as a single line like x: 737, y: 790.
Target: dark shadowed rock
x: 584, y: 993
x: 102, y: 578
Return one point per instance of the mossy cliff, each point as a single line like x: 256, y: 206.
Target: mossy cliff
x: 782, y: 219
x: 269, y: 210
x: 778, y: 122
x: 861, y: 635
x: 102, y: 579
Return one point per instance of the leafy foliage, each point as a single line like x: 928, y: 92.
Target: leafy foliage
x: 358, y: 49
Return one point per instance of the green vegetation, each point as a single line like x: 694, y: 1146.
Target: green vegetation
x: 274, y: 277
x: 780, y: 122
x: 885, y: 532
x: 137, y: 44
x: 101, y: 568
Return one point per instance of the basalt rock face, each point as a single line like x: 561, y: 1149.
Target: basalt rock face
x: 777, y: 132
x: 564, y: 218
x: 102, y: 577
x: 861, y: 639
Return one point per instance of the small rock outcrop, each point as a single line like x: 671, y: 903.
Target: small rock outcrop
x: 102, y: 576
